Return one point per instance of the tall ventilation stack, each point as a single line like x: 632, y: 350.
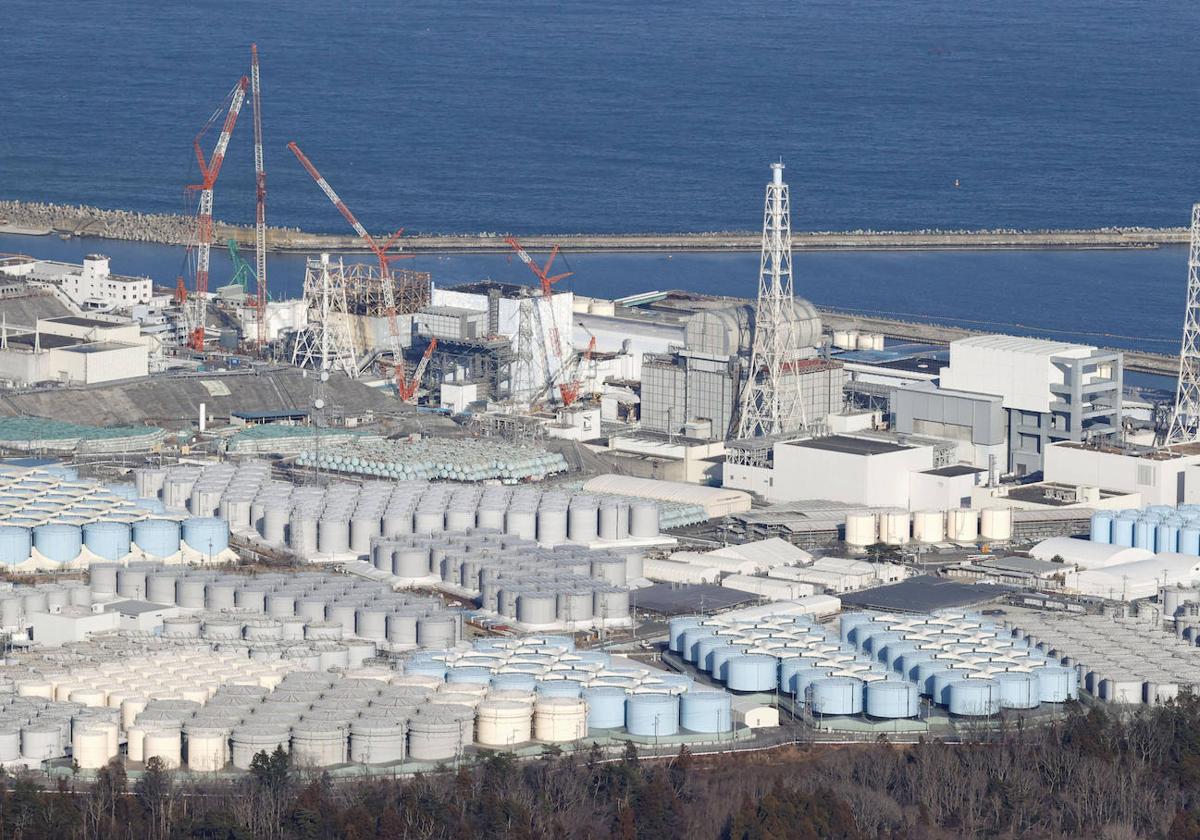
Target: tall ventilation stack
x: 327, y: 343
x: 1185, y: 425
x: 771, y: 402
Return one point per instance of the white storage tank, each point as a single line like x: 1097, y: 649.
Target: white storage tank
x: 559, y: 719
x: 894, y: 527
x: 929, y: 526
x: 963, y: 525
x: 861, y: 529
x: 996, y: 524
x: 503, y: 723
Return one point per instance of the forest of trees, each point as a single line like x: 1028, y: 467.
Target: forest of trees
x: 1096, y: 774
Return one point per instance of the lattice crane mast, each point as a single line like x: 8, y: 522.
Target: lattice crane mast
x: 408, y: 388
x: 260, y: 209
x: 568, y: 393
x: 385, y: 261
x: 209, y: 171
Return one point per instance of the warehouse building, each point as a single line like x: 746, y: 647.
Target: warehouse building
x: 91, y: 285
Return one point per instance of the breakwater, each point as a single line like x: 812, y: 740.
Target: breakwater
x: 167, y: 229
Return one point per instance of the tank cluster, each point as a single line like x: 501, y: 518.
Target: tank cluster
x: 456, y: 459
x: 49, y: 517
x: 880, y: 664
x: 1159, y: 528
x: 344, y: 518
x: 899, y: 527
x: 567, y: 586
x: 590, y: 690
x: 1119, y: 659
x: 324, y: 620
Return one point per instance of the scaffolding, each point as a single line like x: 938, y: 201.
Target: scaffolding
x: 327, y: 343
x: 365, y: 293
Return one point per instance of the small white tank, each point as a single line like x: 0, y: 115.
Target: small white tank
x: 559, y: 719
x: 894, y: 527
x: 929, y: 526
x: 861, y: 529
x: 503, y: 723
x: 164, y: 744
x: 963, y: 525
x: 996, y: 524
x: 89, y: 746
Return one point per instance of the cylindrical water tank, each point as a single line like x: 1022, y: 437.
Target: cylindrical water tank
x: 1018, y: 690
x: 333, y: 535
x: 583, y: 522
x: 249, y: 739
x: 1166, y: 537
x: 552, y: 525
x: 207, y: 747
x: 503, y: 723
x: 606, y: 707
x: 377, y: 741
x: 676, y: 628
x: 706, y: 711
x: 521, y: 523
x: 894, y: 527
x: 643, y: 519
x: 190, y: 592
x: 537, y: 608
x: 1101, y: 531
x: 752, y: 672
x: 164, y: 744
x: 1189, y: 540
x: 1122, y: 530
x: 207, y: 535
x: 891, y: 699
x: 317, y: 743
x: 15, y: 544
x: 836, y: 696
x: 974, y: 698
x: 652, y: 714
x: 131, y: 582
x: 962, y: 525
x: 58, y: 543
x: 160, y: 587
x: 102, y: 578
x: 860, y: 529
x: 411, y: 562
x: 108, y: 540
x: 559, y: 719
x: 996, y: 524
x: 436, y: 734
x: 41, y: 741
x: 1057, y: 684
x: 929, y: 526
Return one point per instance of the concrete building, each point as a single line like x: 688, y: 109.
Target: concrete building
x: 71, y: 624
x: 91, y: 285
x: 977, y: 422
x: 869, y: 471
x: 1160, y: 476
x: 1052, y: 391
x: 696, y: 389
x: 73, y: 350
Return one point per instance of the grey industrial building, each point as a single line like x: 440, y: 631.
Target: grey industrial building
x: 695, y: 390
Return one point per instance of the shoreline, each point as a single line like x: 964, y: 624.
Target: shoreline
x: 68, y: 221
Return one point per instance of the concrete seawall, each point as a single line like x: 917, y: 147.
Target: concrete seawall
x: 78, y: 220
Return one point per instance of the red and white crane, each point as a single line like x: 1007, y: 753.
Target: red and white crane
x: 385, y: 269
x: 567, y: 389
x: 260, y: 211
x: 209, y: 171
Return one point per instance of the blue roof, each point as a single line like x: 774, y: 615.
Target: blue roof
x: 293, y: 414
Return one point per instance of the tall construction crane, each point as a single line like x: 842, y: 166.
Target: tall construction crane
x: 542, y: 272
x: 572, y: 385
x: 385, y: 261
x: 408, y: 387
x: 260, y: 211
x: 209, y: 171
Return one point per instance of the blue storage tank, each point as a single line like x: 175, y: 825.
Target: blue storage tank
x: 1018, y: 690
x: 151, y: 505
x: 122, y: 491
x: 704, y: 651
x: 676, y: 626
x: 157, y: 537
x: 1166, y: 536
x: 1161, y: 510
x: 720, y: 658
x: 907, y: 666
x: 1102, y: 527
x: 939, y: 684
x: 801, y: 680
x: 1122, y: 531
x: 891, y: 654
x: 514, y: 682
x: 752, y: 672
x: 876, y: 642
x: 1057, y: 684
x: 470, y: 674
x: 836, y: 696
x: 58, y: 543
x: 891, y: 699
x: 593, y: 656
x: 564, y: 643
x: 605, y: 707
x: 1189, y: 540
x: 673, y: 681
x: 15, y: 544
x: 1143, y: 534
x: 788, y: 668
x: 859, y: 632
x: 689, y: 640
x: 974, y: 698
x: 109, y: 540
x: 430, y: 668
x: 851, y: 620
x: 652, y: 714
x: 560, y: 688
x: 206, y: 534
x: 706, y: 711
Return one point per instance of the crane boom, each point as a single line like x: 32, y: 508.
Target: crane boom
x: 380, y: 251
x: 260, y: 207
x: 542, y: 272
x: 204, y: 222
x: 408, y: 389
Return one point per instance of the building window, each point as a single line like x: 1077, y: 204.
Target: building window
x: 1145, y: 475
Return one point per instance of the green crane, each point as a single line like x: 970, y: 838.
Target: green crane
x: 242, y: 272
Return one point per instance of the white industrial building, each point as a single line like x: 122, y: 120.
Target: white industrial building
x: 1160, y: 476
x: 774, y: 589
x: 1140, y: 579
x: 1085, y: 554
x: 872, y: 471
x: 91, y: 285
x: 73, y: 350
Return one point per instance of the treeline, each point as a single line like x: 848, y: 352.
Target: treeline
x: 1098, y: 774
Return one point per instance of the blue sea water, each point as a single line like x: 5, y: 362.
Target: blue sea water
x: 618, y: 115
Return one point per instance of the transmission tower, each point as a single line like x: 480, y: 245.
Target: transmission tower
x: 1185, y: 426
x: 771, y: 402
x: 327, y: 343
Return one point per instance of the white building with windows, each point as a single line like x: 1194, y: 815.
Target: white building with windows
x: 91, y: 286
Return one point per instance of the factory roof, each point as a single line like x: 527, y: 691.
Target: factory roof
x: 1019, y: 344
x: 132, y: 607
x: 923, y: 593
x: 264, y: 416
x: 1028, y: 565
x: 953, y: 471
x: 767, y: 553
x: 673, y: 599
x: 452, y: 311
x: 46, y: 341
x: 80, y: 321
x: 1088, y: 554
x: 98, y: 346
x: 850, y: 445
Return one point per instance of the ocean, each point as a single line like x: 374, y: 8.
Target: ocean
x: 618, y: 115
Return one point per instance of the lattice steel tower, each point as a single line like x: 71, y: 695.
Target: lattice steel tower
x: 327, y: 343
x: 1185, y: 425
x: 771, y: 402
